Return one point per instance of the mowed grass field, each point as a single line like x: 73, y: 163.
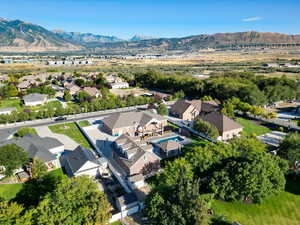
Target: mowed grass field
x: 283, y: 209
x: 71, y: 130
x: 252, y: 128
x: 11, y: 102
x: 9, y: 191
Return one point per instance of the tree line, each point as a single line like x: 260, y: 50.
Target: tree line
x: 248, y: 87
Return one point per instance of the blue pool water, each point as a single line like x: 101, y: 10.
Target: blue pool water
x: 177, y: 138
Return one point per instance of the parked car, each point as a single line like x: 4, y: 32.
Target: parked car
x: 61, y: 118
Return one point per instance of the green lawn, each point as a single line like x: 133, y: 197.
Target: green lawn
x: 51, y: 104
x: 84, y: 123
x: 251, y: 128
x: 11, y: 102
x: 71, y: 130
x: 283, y: 209
x: 57, y: 173
x: 116, y: 223
x: 9, y: 191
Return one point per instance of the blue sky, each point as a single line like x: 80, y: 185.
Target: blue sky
x: 158, y: 18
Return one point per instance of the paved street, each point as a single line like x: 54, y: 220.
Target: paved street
x: 69, y: 143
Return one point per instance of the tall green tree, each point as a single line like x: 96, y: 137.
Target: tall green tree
x: 12, y: 157
x: 206, y: 128
x: 25, y: 131
x: 180, y: 203
x: 247, y: 178
x: 162, y: 109
x: 67, y: 96
x: 74, y: 201
x: 289, y: 149
x: 10, y: 213
x: 38, y: 169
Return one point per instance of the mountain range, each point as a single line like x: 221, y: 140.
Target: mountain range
x: 20, y: 36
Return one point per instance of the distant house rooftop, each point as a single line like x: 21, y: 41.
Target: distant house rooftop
x: 35, y: 97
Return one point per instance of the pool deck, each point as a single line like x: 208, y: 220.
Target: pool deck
x: 155, y: 139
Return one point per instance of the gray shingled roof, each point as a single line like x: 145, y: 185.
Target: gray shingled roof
x: 138, y: 150
x: 169, y: 145
x: 6, y: 133
x: 79, y: 157
x: 36, y: 146
x: 181, y: 106
x: 220, y: 121
x: 8, y: 109
x: 128, y: 119
x: 35, y: 97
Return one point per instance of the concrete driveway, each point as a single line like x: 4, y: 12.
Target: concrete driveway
x: 69, y: 143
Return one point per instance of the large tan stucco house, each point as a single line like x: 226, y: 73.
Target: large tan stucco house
x: 189, y: 110
x: 134, y: 123
x: 133, y: 154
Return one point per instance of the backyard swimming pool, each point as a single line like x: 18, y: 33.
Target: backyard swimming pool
x: 177, y: 138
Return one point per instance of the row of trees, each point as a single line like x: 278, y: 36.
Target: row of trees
x: 249, y: 88
x: 87, y: 105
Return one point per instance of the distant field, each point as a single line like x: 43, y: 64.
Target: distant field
x: 280, y: 74
x: 252, y: 128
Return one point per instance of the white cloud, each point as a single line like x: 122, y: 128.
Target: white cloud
x: 251, y: 19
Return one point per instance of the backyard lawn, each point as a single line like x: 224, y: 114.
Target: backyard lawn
x: 251, y: 128
x: 11, y: 102
x: 283, y: 209
x: 71, y: 130
x: 9, y: 191
x: 84, y: 123
x: 16, y: 102
x: 116, y: 223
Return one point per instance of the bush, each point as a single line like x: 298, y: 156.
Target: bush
x: 206, y: 128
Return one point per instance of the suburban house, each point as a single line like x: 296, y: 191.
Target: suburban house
x: 34, y: 99
x: 134, y: 123
x: 46, y: 149
x: 189, y: 110
x: 82, y: 161
x: 92, y: 91
x: 133, y: 154
x: 227, y: 127
x: 73, y: 88
x: 23, y: 85
x: 119, y: 85
x: 111, y: 78
x: 159, y: 97
x: 6, y: 111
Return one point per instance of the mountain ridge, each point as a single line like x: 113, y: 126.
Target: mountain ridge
x: 20, y: 36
